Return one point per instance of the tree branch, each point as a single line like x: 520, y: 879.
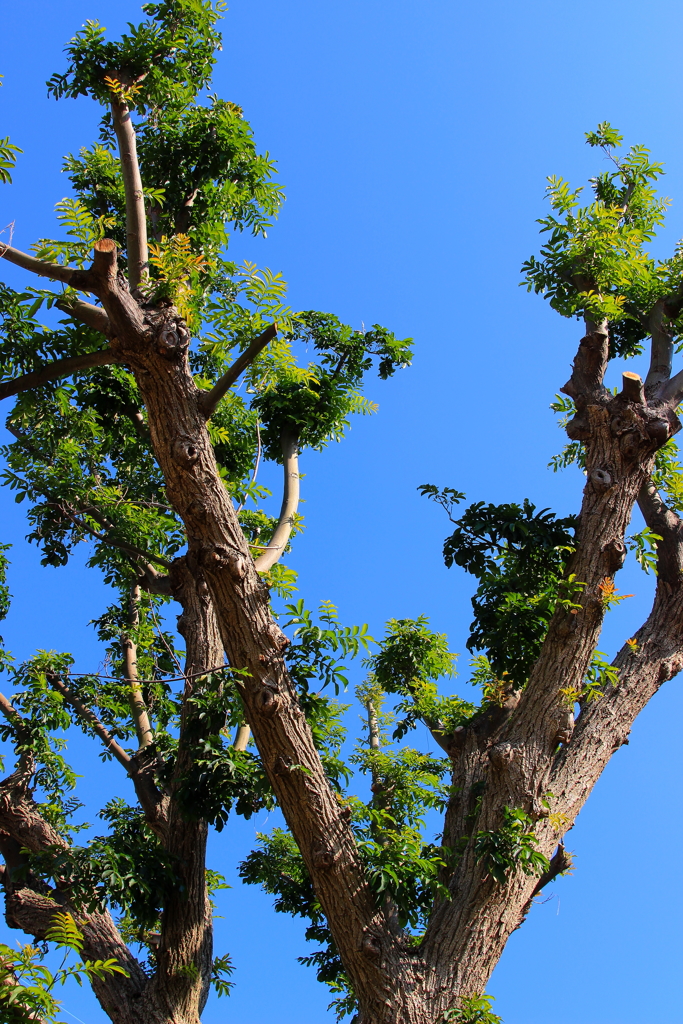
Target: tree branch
x: 55, y: 271
x: 136, y: 222
x: 210, y: 399
x: 671, y: 390
x: 661, y: 346
x: 151, y: 799
x: 53, y: 371
x: 590, y: 363
x: 93, y: 316
x: 10, y: 712
x: 290, y: 502
x: 561, y: 861
x: 138, y: 708
x: 91, y: 719
x: 667, y: 525
x: 130, y: 549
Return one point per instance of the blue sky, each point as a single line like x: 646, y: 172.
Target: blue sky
x: 413, y: 142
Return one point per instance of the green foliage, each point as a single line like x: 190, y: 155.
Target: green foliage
x: 126, y: 869
x: 410, y: 661
x: 163, y: 61
x: 220, y: 973
x: 594, y: 263
x: 218, y: 777
x: 519, y: 556
x: 27, y: 985
x: 315, y: 649
x: 473, y: 1010
x: 512, y: 847
x: 644, y: 544
x: 8, y: 160
x: 314, y: 405
x: 668, y: 476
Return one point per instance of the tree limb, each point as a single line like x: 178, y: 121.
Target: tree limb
x: 10, y: 712
x: 561, y: 861
x: 53, y: 371
x: 130, y: 549
x: 210, y: 399
x: 667, y: 525
x: 138, y: 708
x: 671, y: 390
x: 55, y: 271
x: 290, y: 502
x: 151, y: 799
x: 136, y: 222
x: 93, y: 316
x: 91, y: 719
x: 590, y: 364
x: 661, y: 346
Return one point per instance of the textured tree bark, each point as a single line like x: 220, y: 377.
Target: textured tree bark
x: 184, y: 959
x: 30, y: 906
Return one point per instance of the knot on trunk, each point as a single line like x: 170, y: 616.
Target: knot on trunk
x: 567, y: 623
x: 172, y: 339
x: 371, y: 946
x: 601, y: 480
x: 215, y: 558
x: 268, y: 700
x: 185, y: 452
x: 614, y: 554
x: 659, y: 431
x: 502, y: 754
x: 323, y: 856
x: 565, y: 728
x: 578, y: 428
x: 456, y: 740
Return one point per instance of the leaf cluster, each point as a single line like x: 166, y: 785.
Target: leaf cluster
x: 594, y: 263
x: 510, y: 848
x: 519, y: 557
x: 27, y: 985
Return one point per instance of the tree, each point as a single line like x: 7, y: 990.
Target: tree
x: 151, y: 454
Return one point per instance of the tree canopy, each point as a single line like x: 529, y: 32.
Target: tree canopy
x: 150, y: 379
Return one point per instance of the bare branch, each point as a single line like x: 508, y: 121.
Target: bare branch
x: 91, y: 719
x: 10, y: 712
x: 136, y: 222
x: 53, y: 371
x: 54, y: 271
x: 661, y: 346
x: 561, y: 862
x: 138, y: 708
x: 667, y: 525
x: 290, y: 502
x: 154, y: 583
x: 152, y: 801
x: 672, y: 390
x: 93, y: 316
x: 590, y: 364
x: 241, y: 740
x: 210, y: 399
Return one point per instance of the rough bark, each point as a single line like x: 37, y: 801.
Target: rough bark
x: 184, y: 958
x: 30, y: 905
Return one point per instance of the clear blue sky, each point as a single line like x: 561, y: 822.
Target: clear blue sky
x: 413, y: 141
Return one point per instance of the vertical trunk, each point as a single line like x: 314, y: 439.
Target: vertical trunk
x: 185, y: 954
